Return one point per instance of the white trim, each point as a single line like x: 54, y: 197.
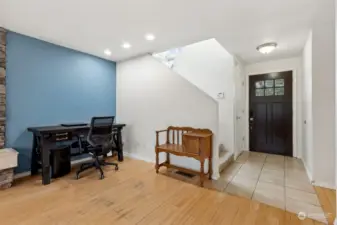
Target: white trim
x: 335, y: 222
x: 325, y: 185
x: 308, y: 171
x: 313, y: 182
x: 28, y: 173
x: 295, y: 75
x: 215, y: 175
x: 138, y: 157
x: 21, y: 175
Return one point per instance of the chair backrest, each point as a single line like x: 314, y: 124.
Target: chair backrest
x: 100, y: 130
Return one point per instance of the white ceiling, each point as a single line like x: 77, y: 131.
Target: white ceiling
x: 92, y: 26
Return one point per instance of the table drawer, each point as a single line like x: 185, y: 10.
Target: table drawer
x: 64, y: 136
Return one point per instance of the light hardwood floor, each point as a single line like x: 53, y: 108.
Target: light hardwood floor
x: 133, y: 195
x: 327, y: 198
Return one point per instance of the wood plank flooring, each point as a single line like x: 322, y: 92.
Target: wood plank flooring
x: 327, y: 198
x: 133, y: 195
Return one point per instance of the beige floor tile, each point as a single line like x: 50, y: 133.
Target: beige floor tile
x: 273, y: 176
x: 270, y: 194
x: 275, y: 159
x: 253, y: 165
x: 258, y: 154
x: 274, y: 166
x: 297, y: 175
x: 241, y: 186
x: 259, y: 157
x: 302, y: 196
x: 294, y: 165
x: 299, y: 185
x: 249, y: 172
x: 243, y: 157
x: 231, y: 170
x: 270, y: 179
x: 312, y: 211
x: 292, y: 160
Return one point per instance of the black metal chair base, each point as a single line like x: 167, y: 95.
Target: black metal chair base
x: 95, y: 164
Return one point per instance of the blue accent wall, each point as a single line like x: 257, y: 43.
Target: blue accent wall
x: 47, y: 84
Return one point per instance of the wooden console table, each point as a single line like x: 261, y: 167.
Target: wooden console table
x: 189, y: 142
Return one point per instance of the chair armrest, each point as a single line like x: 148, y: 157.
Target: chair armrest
x: 157, y: 136
x: 160, y: 131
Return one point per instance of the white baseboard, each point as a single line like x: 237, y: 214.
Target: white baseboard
x: 308, y: 171
x: 215, y: 175
x: 335, y: 222
x: 21, y: 175
x: 324, y: 185
x: 136, y: 156
x: 28, y: 173
x: 317, y: 183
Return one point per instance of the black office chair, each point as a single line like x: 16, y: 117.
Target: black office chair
x: 102, y: 139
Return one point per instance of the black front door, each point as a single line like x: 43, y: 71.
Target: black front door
x: 270, y: 113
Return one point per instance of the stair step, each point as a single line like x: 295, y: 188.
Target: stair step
x: 225, y: 158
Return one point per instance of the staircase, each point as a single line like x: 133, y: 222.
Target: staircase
x: 209, y: 67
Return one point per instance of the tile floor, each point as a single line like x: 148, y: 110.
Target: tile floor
x: 272, y: 179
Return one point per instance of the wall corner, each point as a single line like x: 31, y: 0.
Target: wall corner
x: 2, y: 86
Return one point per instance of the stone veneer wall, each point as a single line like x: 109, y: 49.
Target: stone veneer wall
x: 2, y: 86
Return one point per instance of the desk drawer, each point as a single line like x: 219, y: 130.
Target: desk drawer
x: 64, y: 136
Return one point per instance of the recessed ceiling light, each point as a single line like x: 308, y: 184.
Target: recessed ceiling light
x: 150, y: 37
x: 107, y: 52
x: 126, y: 45
x: 267, y: 48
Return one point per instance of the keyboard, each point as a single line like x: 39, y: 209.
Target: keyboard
x: 73, y: 124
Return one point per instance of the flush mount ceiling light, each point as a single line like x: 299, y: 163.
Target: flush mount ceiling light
x: 150, y: 37
x: 126, y: 45
x: 267, y: 48
x: 107, y: 52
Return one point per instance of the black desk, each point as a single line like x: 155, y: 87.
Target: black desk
x: 46, y: 137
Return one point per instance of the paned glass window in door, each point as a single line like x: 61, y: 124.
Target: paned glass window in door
x: 269, y: 87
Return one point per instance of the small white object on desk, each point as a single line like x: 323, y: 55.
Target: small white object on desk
x: 8, y: 161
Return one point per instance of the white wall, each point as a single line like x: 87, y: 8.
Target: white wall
x: 210, y: 67
x: 151, y: 97
x: 335, y: 102
x: 323, y: 100
x: 294, y: 64
x: 307, y: 125
x: 207, y: 65
x: 240, y: 107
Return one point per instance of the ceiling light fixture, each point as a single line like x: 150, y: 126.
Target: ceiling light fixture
x: 267, y: 47
x: 107, y: 52
x: 150, y: 37
x: 126, y: 45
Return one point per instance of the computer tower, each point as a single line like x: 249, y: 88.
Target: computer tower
x: 60, y: 161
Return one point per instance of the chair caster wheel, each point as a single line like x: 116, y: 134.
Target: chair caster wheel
x: 116, y: 168
x: 102, y: 177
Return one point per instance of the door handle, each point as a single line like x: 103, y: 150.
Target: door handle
x: 251, y: 121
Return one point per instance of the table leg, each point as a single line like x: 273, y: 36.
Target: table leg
x: 202, y: 172
x: 34, y: 165
x: 120, y: 145
x: 45, y: 158
x: 210, y: 168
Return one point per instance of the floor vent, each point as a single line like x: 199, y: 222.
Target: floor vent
x: 188, y: 175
